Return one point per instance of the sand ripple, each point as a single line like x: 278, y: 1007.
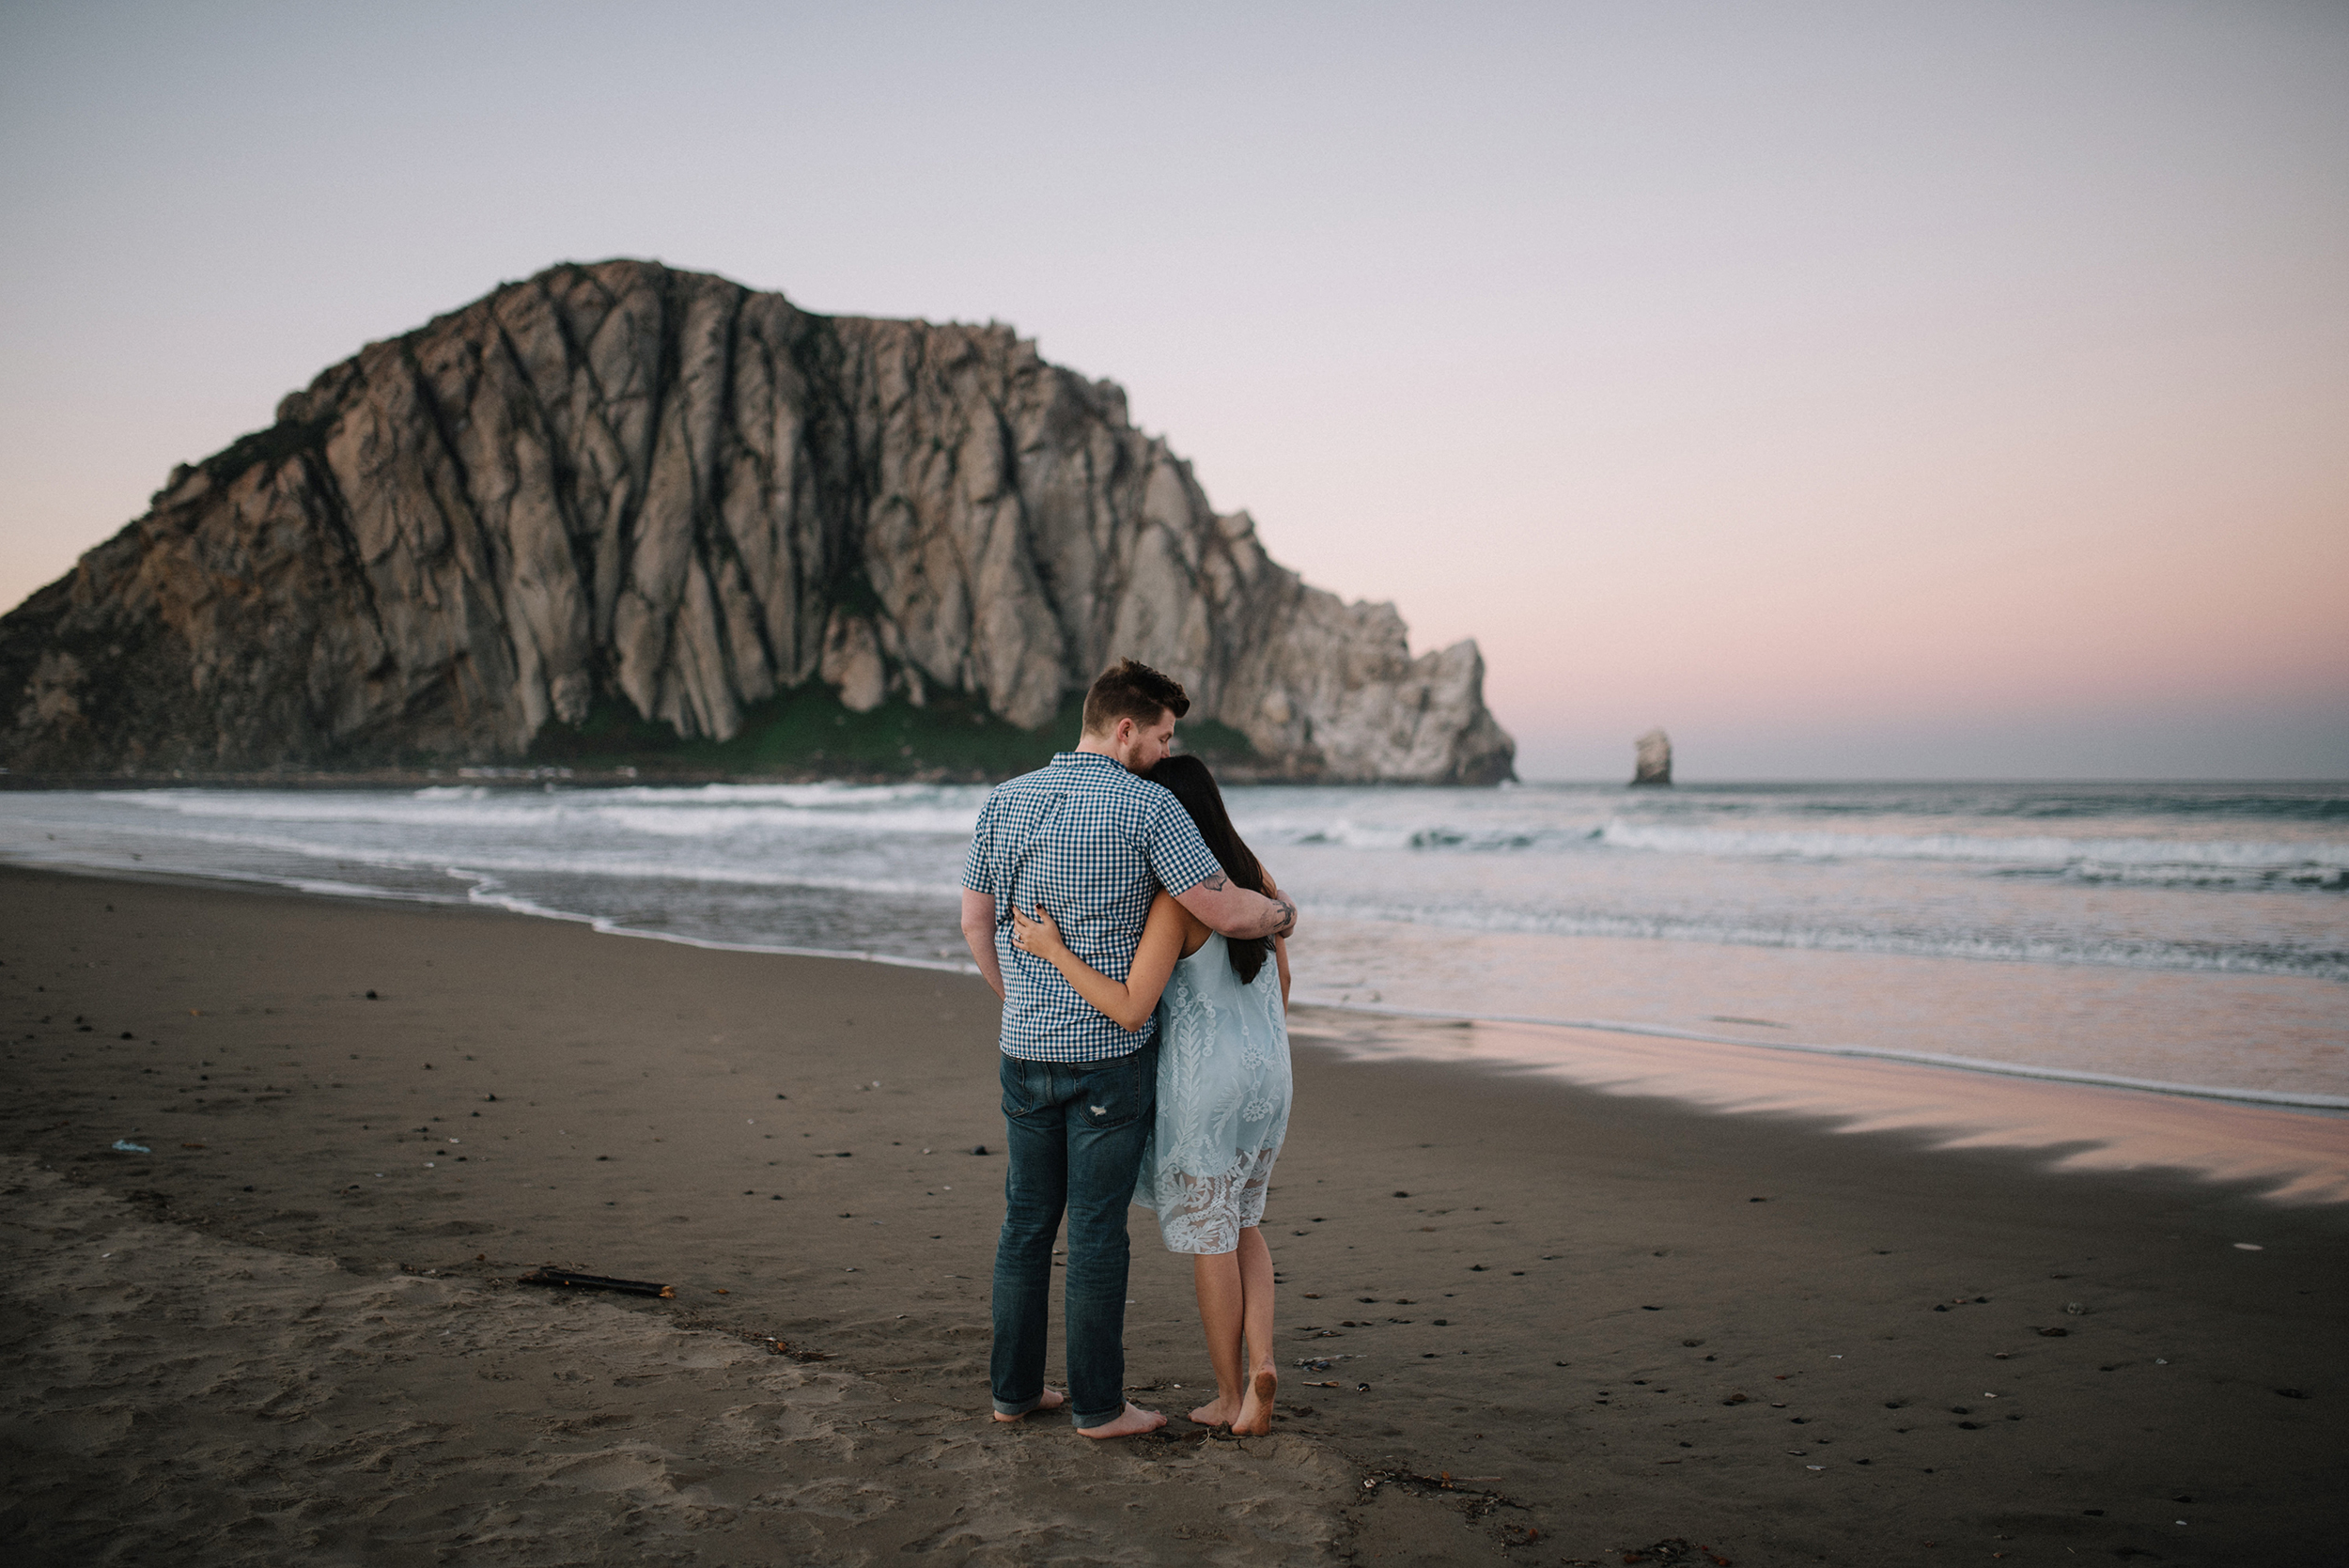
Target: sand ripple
x: 174, y: 1393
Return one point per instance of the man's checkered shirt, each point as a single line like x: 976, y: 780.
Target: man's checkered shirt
x: 1093, y: 844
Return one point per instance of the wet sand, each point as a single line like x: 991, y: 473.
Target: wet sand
x: 291, y: 1330
x: 2290, y: 1155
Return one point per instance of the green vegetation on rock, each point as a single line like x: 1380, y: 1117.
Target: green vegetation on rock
x: 807, y: 732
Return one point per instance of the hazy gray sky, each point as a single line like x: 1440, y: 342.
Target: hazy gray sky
x: 1854, y: 389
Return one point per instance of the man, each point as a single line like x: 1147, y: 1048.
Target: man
x: 1093, y: 842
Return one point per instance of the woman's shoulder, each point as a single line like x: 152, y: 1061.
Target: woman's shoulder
x: 1167, y: 907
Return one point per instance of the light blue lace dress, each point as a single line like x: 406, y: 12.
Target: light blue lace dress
x: 1224, y: 1101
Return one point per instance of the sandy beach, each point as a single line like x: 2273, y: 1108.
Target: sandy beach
x: 1524, y: 1319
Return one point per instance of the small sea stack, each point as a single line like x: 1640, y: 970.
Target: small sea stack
x: 1652, y: 762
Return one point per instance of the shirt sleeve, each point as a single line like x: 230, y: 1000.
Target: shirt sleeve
x: 1179, y: 857
x: 978, y: 867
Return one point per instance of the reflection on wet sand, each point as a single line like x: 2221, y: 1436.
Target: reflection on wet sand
x: 2303, y: 1153
x: 2284, y: 1034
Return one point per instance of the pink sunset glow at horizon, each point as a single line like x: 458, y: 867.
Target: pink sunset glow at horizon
x: 1954, y: 391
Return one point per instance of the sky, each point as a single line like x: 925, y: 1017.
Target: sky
x: 1940, y: 390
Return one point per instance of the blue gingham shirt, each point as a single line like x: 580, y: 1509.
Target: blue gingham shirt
x: 1093, y: 844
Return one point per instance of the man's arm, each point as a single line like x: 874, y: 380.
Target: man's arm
x: 978, y: 929
x: 1233, y: 911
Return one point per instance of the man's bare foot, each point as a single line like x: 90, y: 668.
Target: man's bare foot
x: 1133, y: 1423
x: 1255, y: 1411
x: 1050, y: 1401
x: 1216, y: 1412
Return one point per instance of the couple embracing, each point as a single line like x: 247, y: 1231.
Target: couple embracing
x: 1138, y: 948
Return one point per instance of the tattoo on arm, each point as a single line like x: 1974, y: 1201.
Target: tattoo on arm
x: 1288, y: 918
x: 1215, y: 883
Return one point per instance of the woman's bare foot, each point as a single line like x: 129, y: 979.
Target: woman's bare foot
x: 1050, y: 1401
x: 1217, y: 1411
x: 1133, y: 1423
x: 1255, y: 1411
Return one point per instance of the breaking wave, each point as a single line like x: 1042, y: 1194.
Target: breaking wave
x: 2148, y: 860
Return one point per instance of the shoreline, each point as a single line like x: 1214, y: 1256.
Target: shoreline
x: 2301, y: 1102
x: 527, y: 772
x: 530, y: 776
x: 2284, y: 1157
x: 1597, y: 1312
x: 2281, y: 1100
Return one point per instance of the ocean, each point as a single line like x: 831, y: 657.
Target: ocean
x: 2189, y: 936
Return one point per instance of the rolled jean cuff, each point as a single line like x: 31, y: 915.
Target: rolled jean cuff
x: 1102, y: 1418
x: 1012, y: 1412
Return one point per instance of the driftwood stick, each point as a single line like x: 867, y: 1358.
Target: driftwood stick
x: 552, y: 1276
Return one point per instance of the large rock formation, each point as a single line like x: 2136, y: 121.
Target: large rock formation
x: 621, y: 482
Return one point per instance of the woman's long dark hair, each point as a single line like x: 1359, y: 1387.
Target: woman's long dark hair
x: 1188, y: 779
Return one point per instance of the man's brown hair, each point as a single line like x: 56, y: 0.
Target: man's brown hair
x: 1131, y: 689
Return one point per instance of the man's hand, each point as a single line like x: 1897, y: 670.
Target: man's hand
x: 1272, y: 891
x: 1288, y: 919
x: 1235, y: 911
x: 978, y: 929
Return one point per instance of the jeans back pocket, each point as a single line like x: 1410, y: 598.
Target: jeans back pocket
x: 1116, y: 1093
x: 1027, y: 1086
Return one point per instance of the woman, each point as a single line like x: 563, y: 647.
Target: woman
x: 1223, y: 1096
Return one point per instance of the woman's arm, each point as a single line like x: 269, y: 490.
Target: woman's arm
x: 1128, y: 1004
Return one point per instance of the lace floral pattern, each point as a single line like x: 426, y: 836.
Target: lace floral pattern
x: 1223, y: 1102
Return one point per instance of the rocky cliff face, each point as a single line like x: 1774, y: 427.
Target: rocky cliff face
x: 626, y: 482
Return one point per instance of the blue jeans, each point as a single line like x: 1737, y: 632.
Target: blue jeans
x: 1075, y: 1136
